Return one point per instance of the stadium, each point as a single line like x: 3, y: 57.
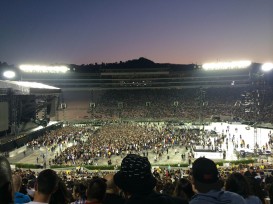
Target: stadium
x: 137, y: 91
x: 90, y: 117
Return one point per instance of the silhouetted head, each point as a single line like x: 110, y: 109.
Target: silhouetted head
x: 6, y: 186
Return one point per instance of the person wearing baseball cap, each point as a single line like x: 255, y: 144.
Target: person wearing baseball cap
x: 208, y: 186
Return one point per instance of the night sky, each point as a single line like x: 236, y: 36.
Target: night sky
x: 164, y: 31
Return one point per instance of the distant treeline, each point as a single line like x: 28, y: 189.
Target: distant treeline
x: 141, y: 63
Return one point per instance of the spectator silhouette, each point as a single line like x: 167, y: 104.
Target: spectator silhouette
x: 79, y: 193
x: 46, y: 185
x: 112, y: 191
x: 18, y: 196
x: 183, y: 189
x: 137, y: 182
x: 61, y: 195
x: 238, y: 183
x: 6, y: 186
x: 96, y: 191
x: 250, y: 173
x: 206, y: 182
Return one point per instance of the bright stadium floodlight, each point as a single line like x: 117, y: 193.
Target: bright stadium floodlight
x: 35, y: 85
x: 266, y: 67
x: 43, y: 69
x: 226, y: 65
x: 9, y: 74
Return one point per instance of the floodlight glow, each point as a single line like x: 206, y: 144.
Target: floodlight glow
x: 266, y: 67
x: 35, y: 85
x: 226, y: 65
x: 43, y: 69
x: 9, y: 74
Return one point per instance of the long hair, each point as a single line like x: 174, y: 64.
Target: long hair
x: 239, y: 184
x: 183, y: 189
x: 61, y: 195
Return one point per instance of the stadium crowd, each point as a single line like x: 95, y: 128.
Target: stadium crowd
x: 72, y: 145
x: 137, y: 182
x: 84, y: 146
x: 186, y: 104
x: 133, y: 142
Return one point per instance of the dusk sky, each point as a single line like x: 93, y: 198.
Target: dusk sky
x: 164, y: 31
